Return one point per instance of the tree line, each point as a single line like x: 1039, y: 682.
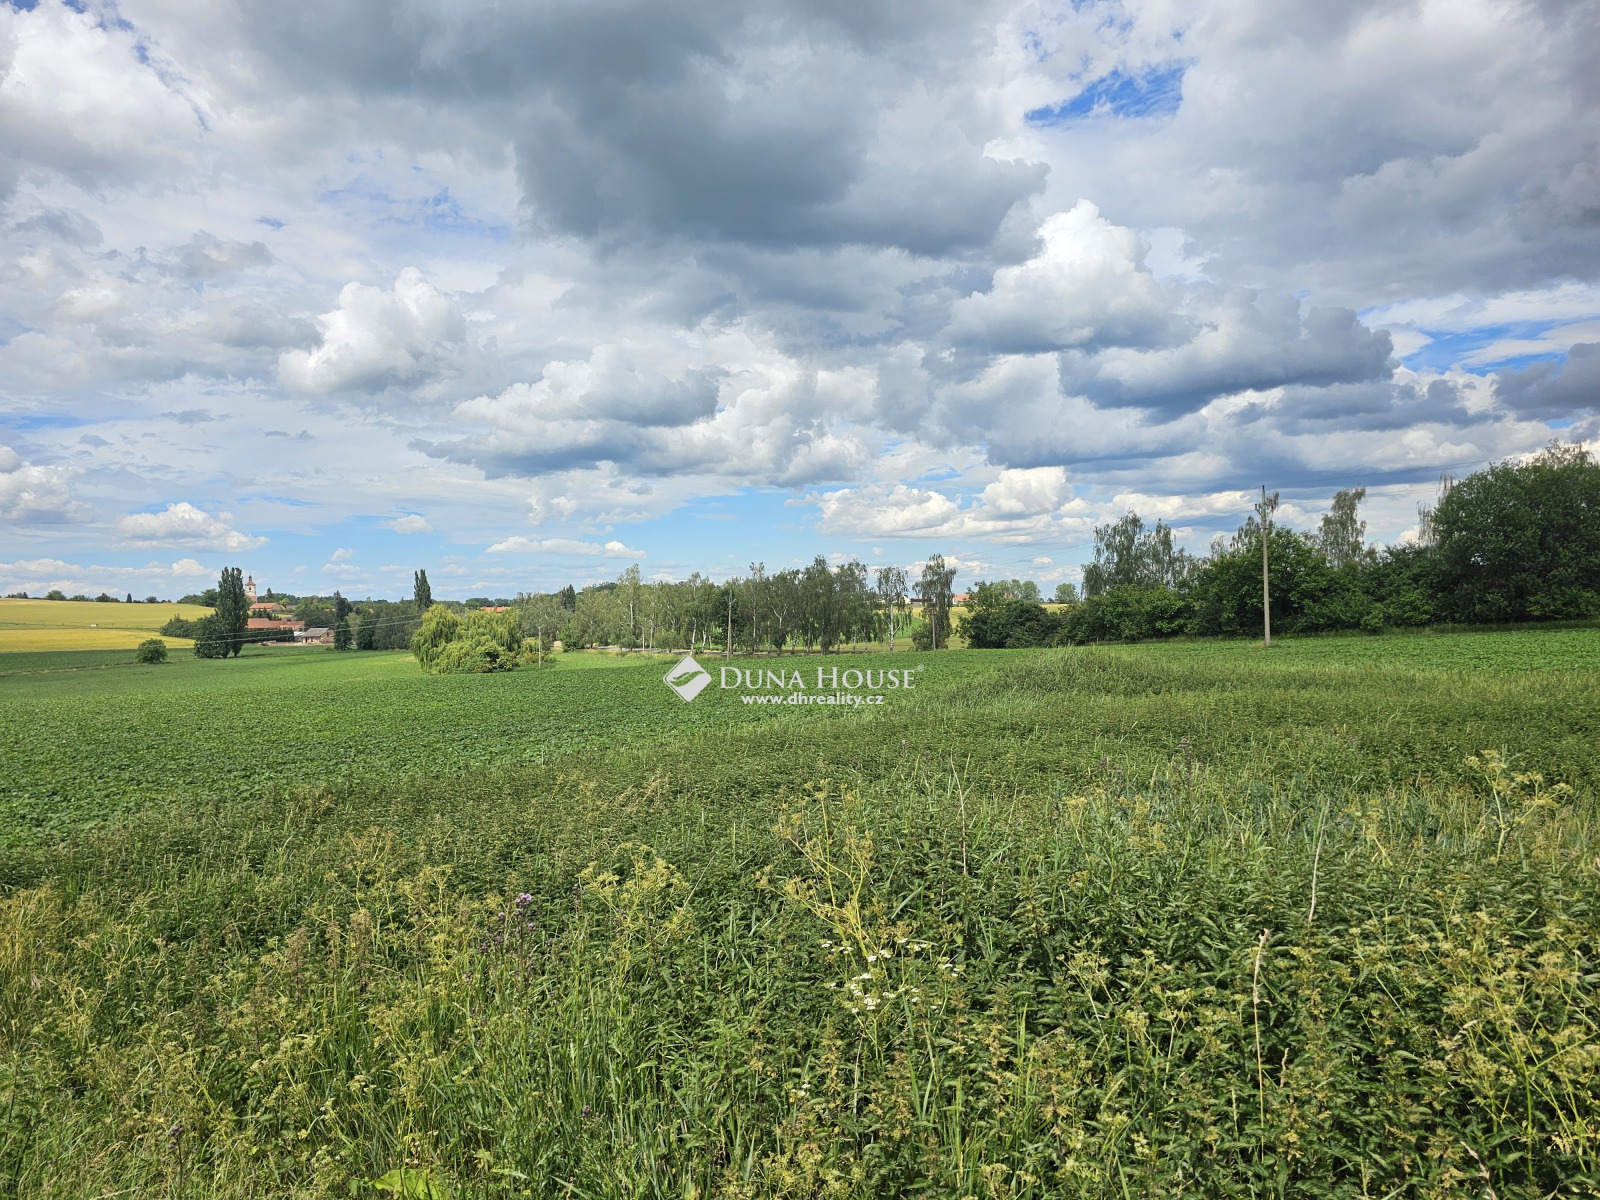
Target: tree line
x: 820, y: 608
x: 1514, y: 542
x: 81, y: 598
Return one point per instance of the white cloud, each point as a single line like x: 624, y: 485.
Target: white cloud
x: 75, y: 95
x: 1019, y: 505
x: 39, y: 575
x: 563, y: 546
x: 343, y: 554
x: 1087, y: 287
x: 410, y: 523
x: 378, y: 338
x: 36, y: 495
x: 183, y: 524
x: 769, y: 419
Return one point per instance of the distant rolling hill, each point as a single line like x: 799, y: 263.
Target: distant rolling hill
x: 87, y: 625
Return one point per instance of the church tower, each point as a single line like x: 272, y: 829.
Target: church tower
x: 250, y: 591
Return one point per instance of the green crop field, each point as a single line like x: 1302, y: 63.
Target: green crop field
x: 192, y: 729
x: 1189, y: 919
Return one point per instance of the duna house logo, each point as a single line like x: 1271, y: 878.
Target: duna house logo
x: 688, y: 678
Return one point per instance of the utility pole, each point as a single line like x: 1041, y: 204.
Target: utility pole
x: 1266, y: 591
x: 728, y: 653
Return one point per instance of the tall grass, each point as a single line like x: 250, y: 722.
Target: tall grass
x: 1099, y: 925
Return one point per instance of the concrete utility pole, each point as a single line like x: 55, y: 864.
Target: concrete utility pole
x: 1266, y: 591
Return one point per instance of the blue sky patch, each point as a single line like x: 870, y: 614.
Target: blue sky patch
x: 1156, y: 93
x: 1447, y: 350
x: 30, y: 421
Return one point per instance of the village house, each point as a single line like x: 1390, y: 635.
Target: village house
x: 288, y: 626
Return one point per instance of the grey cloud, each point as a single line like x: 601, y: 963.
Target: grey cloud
x: 1246, y: 341
x: 257, y: 325
x: 1374, y: 406
x: 1554, y: 391
x: 193, y: 416
x: 508, y: 455
x: 635, y: 398
x: 799, y: 458
x: 71, y: 227
x: 778, y: 146
x: 767, y: 124
x: 205, y: 257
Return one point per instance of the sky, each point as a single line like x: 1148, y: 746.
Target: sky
x: 521, y: 294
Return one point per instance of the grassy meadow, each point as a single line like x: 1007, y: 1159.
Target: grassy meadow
x: 65, y: 625
x: 1189, y: 919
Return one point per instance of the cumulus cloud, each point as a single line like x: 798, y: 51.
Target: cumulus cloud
x: 410, y: 523
x: 36, y: 495
x: 1018, y: 505
x: 183, y: 524
x: 610, y: 385
x: 78, y: 96
x: 1087, y: 288
x: 378, y: 338
x: 771, y: 421
x: 1121, y: 339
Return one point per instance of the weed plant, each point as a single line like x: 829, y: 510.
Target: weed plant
x: 1091, y: 923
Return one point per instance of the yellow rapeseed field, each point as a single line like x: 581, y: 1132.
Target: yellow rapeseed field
x: 80, y: 625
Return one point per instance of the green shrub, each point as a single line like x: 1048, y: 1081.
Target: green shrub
x: 151, y: 651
